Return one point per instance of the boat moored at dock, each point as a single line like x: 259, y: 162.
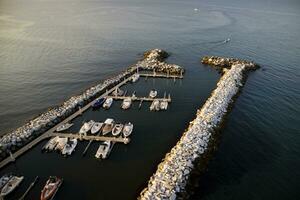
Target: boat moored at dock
x: 152, y: 93
x: 126, y: 103
x: 86, y: 127
x: 104, y: 150
x: 11, y: 185
x: 98, y: 103
x: 135, y: 77
x: 108, y: 102
x: 108, y: 126
x: 127, y: 130
x: 117, y: 129
x: 4, y: 179
x: 69, y: 147
x: 155, y: 105
x: 96, y: 127
x: 64, y: 127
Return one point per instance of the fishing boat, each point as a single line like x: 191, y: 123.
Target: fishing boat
x: 69, y: 147
x: 104, y: 150
x: 117, y: 129
x: 127, y: 130
x: 118, y: 92
x: 135, y: 78
x: 108, y: 126
x: 126, y: 103
x: 62, y: 141
x: 11, y: 185
x: 155, y: 106
x: 107, y: 103
x: 153, y: 93
x: 86, y: 127
x: 98, y: 103
x: 96, y: 127
x: 51, y: 187
x: 4, y: 179
x: 163, y: 105
x: 64, y: 127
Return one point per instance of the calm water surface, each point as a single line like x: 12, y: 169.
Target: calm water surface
x: 51, y: 50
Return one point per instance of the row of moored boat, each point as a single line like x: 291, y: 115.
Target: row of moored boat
x: 8, y: 183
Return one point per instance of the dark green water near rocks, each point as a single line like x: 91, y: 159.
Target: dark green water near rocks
x: 51, y: 50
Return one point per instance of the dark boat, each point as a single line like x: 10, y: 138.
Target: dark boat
x: 98, y: 103
x: 51, y: 187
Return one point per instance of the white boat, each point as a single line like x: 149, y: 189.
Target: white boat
x: 108, y: 126
x: 4, y: 179
x: 103, y: 150
x: 52, y: 143
x: 11, y: 185
x: 126, y: 103
x: 64, y: 127
x: 118, y: 92
x: 86, y: 127
x: 107, y: 103
x: 127, y: 130
x: 62, y: 141
x: 155, y: 106
x: 153, y: 93
x: 117, y: 129
x: 163, y: 105
x: 135, y: 78
x: 69, y: 147
x: 96, y: 127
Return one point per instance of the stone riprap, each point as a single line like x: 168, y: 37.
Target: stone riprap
x: 12, y: 141
x: 173, y: 173
x: 154, y: 60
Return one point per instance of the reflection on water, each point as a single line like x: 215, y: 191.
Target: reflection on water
x: 51, y: 50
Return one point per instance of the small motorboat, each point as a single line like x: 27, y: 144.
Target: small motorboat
x: 117, y: 129
x: 4, y: 179
x: 98, y: 103
x: 108, y: 126
x: 86, y: 127
x: 96, y: 127
x: 135, y: 78
x: 104, y: 150
x: 69, y: 147
x: 62, y: 141
x: 11, y: 185
x: 155, y: 106
x: 64, y: 127
x: 118, y: 92
x: 51, y: 187
x: 126, y: 103
x: 127, y: 130
x: 153, y: 93
x: 163, y: 105
x: 227, y: 40
x: 108, y: 102
x: 51, y: 144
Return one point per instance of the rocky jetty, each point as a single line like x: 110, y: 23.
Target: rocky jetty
x: 154, y: 60
x: 220, y: 62
x: 173, y: 173
x: 12, y: 141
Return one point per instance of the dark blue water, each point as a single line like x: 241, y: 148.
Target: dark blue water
x: 51, y: 50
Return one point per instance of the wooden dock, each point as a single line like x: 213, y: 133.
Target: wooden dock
x: 134, y: 98
x: 93, y: 137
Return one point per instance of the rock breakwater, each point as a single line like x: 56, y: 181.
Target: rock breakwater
x: 14, y: 140
x: 172, y: 175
